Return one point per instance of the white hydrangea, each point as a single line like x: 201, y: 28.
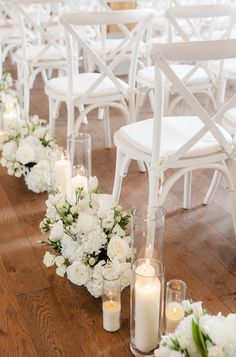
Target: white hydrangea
x: 25, y: 154
x: 38, y: 178
x: 94, y: 241
x: 71, y: 249
x: 86, y: 223
x: 8, y: 150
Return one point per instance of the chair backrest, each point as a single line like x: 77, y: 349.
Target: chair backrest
x: 34, y: 17
x: 200, y: 51
x: 201, y: 21
x: 126, y: 48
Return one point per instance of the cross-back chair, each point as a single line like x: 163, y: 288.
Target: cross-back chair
x: 104, y: 89
x: 183, y: 143
x: 41, y: 49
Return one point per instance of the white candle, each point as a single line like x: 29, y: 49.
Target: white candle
x: 174, y: 314
x: 147, y: 308
x: 9, y: 118
x: 111, y: 315
x: 63, y: 175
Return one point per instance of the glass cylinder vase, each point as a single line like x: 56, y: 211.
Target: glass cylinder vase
x: 79, y: 149
x: 147, y: 233
x: 146, y: 319
x: 174, y: 311
x: 111, y: 302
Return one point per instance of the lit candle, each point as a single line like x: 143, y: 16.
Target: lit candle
x: 174, y: 314
x: 111, y: 315
x: 63, y: 175
x: 147, y: 308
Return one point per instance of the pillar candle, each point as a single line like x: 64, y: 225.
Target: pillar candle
x: 147, y: 308
x: 111, y: 315
x: 174, y: 314
x: 63, y: 175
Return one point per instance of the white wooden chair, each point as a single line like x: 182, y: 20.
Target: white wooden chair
x: 183, y: 143
x: 101, y: 89
x: 41, y: 49
x: 198, y: 77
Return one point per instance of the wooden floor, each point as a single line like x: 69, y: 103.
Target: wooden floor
x: 44, y: 315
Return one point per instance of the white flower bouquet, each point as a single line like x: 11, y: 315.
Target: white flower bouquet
x: 200, y: 335
x: 25, y: 150
x: 87, y: 231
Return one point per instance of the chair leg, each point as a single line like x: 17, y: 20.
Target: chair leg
x: 101, y: 113
x: 107, y: 129
x: 70, y: 118
x: 213, y: 187
x: 231, y: 165
x: 118, y: 175
x: 153, y: 187
x: 187, y: 189
x: 26, y: 94
x: 84, y: 118
x: 51, y: 116
x: 220, y: 93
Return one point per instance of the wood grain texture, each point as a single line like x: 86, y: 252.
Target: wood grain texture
x: 15, y: 339
x: 65, y: 320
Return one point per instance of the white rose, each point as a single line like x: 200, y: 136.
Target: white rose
x: 117, y: 248
x: 61, y: 270
x: 25, y: 154
x: 92, y: 184
x: 48, y: 259
x: 79, y: 182
x: 9, y: 149
x: 102, y: 203
x: 59, y: 260
x: 57, y: 231
x: 86, y: 223
x: 197, y: 310
x: 40, y: 132
x: 78, y: 273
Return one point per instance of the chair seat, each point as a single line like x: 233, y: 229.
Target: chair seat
x: 59, y: 86
x: 52, y: 54
x: 176, y: 131
x: 147, y: 75
x: 229, y: 69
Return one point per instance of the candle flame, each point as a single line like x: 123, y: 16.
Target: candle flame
x: 174, y: 310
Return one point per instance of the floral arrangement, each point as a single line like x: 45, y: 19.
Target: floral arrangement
x: 87, y: 230
x: 25, y: 151
x: 200, y: 335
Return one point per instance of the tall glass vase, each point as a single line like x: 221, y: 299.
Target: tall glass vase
x: 147, y: 233
x: 79, y: 149
x: 146, y: 319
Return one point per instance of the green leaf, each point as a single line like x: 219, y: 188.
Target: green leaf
x: 199, y: 339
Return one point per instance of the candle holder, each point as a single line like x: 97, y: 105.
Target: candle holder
x: 147, y: 233
x: 79, y: 149
x: 111, y: 302
x: 146, y: 319
x: 174, y: 311
x: 10, y: 117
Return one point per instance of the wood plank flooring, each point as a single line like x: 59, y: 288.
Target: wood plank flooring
x: 43, y: 315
